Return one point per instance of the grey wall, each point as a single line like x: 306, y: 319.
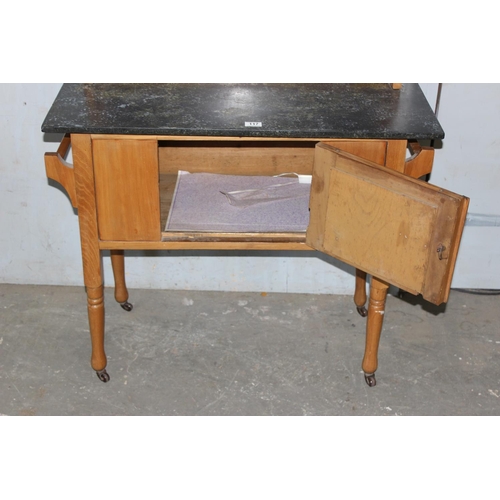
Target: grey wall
x: 39, y: 241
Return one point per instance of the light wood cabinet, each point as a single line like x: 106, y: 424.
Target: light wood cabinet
x: 364, y: 210
x: 367, y: 207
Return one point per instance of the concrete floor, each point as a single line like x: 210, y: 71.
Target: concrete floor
x: 215, y: 353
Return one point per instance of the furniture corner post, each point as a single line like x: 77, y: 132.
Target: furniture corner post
x: 91, y: 254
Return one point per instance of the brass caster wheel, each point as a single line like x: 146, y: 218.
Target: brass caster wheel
x: 362, y: 311
x: 370, y: 379
x: 103, y: 375
x: 127, y: 306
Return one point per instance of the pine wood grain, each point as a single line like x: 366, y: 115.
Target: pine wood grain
x: 383, y: 222
x: 89, y: 238
x: 127, y: 191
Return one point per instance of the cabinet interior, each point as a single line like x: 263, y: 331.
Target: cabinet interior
x: 228, y: 157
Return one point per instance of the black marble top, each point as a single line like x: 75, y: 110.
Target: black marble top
x: 368, y: 111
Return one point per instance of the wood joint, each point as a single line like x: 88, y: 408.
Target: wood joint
x: 59, y: 170
x: 421, y: 160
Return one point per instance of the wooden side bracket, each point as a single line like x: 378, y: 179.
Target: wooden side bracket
x: 420, y: 161
x: 59, y: 170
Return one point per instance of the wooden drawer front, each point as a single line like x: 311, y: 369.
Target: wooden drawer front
x: 127, y: 190
x: 385, y: 223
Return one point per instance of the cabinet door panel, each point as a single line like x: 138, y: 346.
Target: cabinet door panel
x: 127, y: 189
x: 385, y: 223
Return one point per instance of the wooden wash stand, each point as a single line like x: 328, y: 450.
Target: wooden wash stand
x: 367, y: 206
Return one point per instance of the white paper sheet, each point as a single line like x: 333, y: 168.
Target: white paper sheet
x: 234, y: 203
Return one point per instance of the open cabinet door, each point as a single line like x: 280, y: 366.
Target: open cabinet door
x: 399, y: 229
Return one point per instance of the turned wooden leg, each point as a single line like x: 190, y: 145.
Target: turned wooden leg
x: 95, y: 305
x: 360, y: 293
x: 121, y: 292
x: 376, y: 310
x: 91, y: 254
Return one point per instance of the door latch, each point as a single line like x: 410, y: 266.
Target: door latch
x: 441, y: 252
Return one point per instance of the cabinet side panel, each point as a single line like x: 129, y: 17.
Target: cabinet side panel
x: 127, y: 189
